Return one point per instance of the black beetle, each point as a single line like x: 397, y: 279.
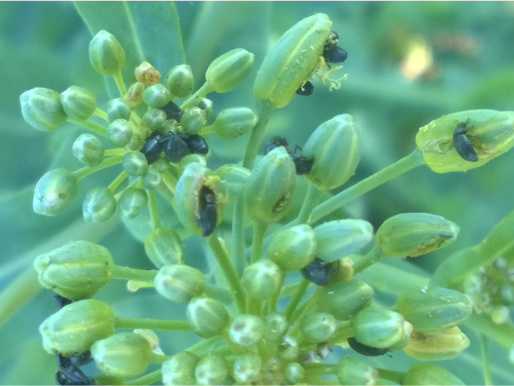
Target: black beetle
x: 175, y: 147
x: 208, y: 214
x: 173, y: 111
x: 195, y: 142
x: 62, y: 301
x: 462, y: 143
x: 69, y: 372
x: 365, y: 350
x: 316, y: 271
x: 334, y: 54
x: 306, y: 89
x: 153, y: 147
x: 303, y: 165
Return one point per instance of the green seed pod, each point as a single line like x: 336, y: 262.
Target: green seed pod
x: 345, y: 298
x: 179, y: 283
x: 292, y: 60
x: 234, y: 122
x: 437, y: 345
x: 352, y: 370
x: 262, y: 279
x: 132, y: 201
x: 339, y: 238
x: 180, y: 80
x: 156, y: 96
x: 270, y: 187
x: 147, y: 74
x: 75, y: 327
x: 99, y: 205
x: 480, y: 135
x: 106, y: 53
x: 246, y: 369
x: 42, y: 109
x: 334, y: 147
x: 317, y: 327
x: 193, y: 120
x: 152, y: 179
x: 54, y: 191
x: 88, y: 149
x: 246, y: 330
x: 434, y: 308
x: 135, y: 163
x: 180, y: 369
x: 207, y: 317
x: 293, y: 248
x: 228, y: 70
x: 163, y: 247
x: 233, y: 178
x: 155, y: 119
x: 134, y: 95
x: 379, y: 327
x: 212, y: 370
x: 429, y: 374
x: 275, y: 326
x: 120, y: 132
x: 294, y: 372
x: 78, y: 103
x: 76, y: 270
x: 118, y: 108
x: 414, y: 234
x: 124, y: 355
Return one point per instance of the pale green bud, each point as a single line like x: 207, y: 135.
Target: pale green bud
x: 212, y: 370
x: 293, y: 248
x: 179, y: 283
x: 180, y: 369
x: 233, y: 178
x: 134, y: 95
x: 414, y: 234
x: 289, y: 349
x: 88, y: 149
x: 42, y: 109
x: 228, y: 70
x: 437, y: 345
x: 54, y: 191
x: 334, y: 147
x: 429, y: 374
x: 124, y: 355
x: 247, y: 369
x: 345, y: 298
x: 76, y: 270
x: 180, y: 80
x: 78, y: 103
x: 147, y: 74
x: 118, y: 108
x: 275, y: 326
x: 106, y: 54
x: 156, y: 96
x: 294, y: 372
x: 152, y: 178
x: 379, y: 327
x: 154, y: 118
x: 205, y: 104
x: 135, y: 163
x: 246, y: 330
x: 120, y: 132
x: 99, y: 205
x: 193, y: 120
x: 234, y: 122
x: 352, y: 370
x: 75, y: 327
x: 132, y: 201
x: 163, y: 247
x: 317, y: 327
x: 207, y: 317
x: 262, y: 279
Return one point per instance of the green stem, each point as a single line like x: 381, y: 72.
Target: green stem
x: 391, y: 375
x: 264, y: 110
x: 154, y: 212
x: 127, y: 273
x: 295, y: 299
x: 117, y: 181
x: 115, y: 152
x: 238, y: 236
x: 87, y: 170
x: 101, y: 114
x: 201, y: 92
x: 147, y: 379
x: 502, y: 334
x: 93, y: 126
x: 120, y: 84
x: 308, y: 204
x: 259, y: 229
x: 485, y: 359
x: 151, y: 324
x: 206, y: 345
x: 220, y: 294
x: 228, y: 270
x: 361, y: 262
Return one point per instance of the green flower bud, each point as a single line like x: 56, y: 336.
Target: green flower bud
x: 295, y: 372
x: 485, y: 134
x: 189, y: 159
x: 289, y: 349
x: 246, y: 330
x: 42, y: 109
x: 124, y: 355
x: 180, y: 369
x: 163, y: 247
x: 106, y: 54
x: 76, y: 270
x: 334, y: 147
x: 414, y: 234
x: 247, y: 369
x: 345, y: 298
x: 434, y: 308
x: 180, y: 80
x: 233, y: 178
x: 292, y: 60
x: 234, y: 122
x: 156, y: 96
x: 262, y: 279
x: 293, y: 248
x: 99, y: 205
x: 75, y: 327
x: 132, y: 201
x: 152, y: 179
x: 205, y: 104
x: 339, y: 238
x: 78, y: 103
x: 147, y: 74
x: 54, y: 191
x: 155, y: 119
x: 275, y: 326
x: 429, y: 374
x: 135, y: 143
x: 270, y: 187
x: 318, y: 327
x: 88, y: 149
x: 179, y: 283
x: 207, y: 317
x: 212, y: 370
x: 134, y: 95
x: 118, y: 108
x: 379, y: 327
x: 352, y: 370
x: 135, y: 163
x: 162, y: 164
x: 437, y: 345
x: 228, y: 70
x: 120, y: 132
x: 193, y: 120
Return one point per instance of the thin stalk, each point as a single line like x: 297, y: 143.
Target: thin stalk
x: 264, y: 110
x: 308, y: 204
x: 127, y: 273
x: 295, y: 299
x: 152, y: 324
x: 101, y: 114
x: 107, y: 162
x: 201, y: 92
x: 120, y: 84
x: 93, y: 126
x: 391, y: 375
x: 238, y: 237
x: 485, y: 360
x: 259, y: 229
x: 117, y: 181
x: 147, y: 379
x: 154, y: 212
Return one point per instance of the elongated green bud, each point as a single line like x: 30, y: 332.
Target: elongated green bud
x: 147, y: 74
x: 246, y: 330
x: 99, y: 205
x: 88, y: 149
x: 352, y: 370
x: 317, y: 327
x: 212, y: 370
x: 207, y: 317
x: 76, y: 270
x: 75, y: 327
x: 270, y: 187
x: 42, y: 109
x: 124, y: 355
x: 414, y: 234
x: 54, y: 191
x: 179, y: 283
x: 247, y: 369
x: 106, y: 54
x: 262, y: 279
x: 465, y: 140
x: 293, y: 248
x: 292, y: 60
x: 429, y: 374
x: 132, y: 201
x: 163, y: 246
x: 334, y: 147
x: 437, y: 345
x: 180, y: 369
x: 228, y: 70
x: 156, y: 96
x: 339, y: 238
x: 78, y: 103
x: 343, y: 299
x: 180, y: 80
x: 234, y: 122
x: 233, y: 178
x: 118, y: 108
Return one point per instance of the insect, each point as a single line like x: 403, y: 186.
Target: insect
x: 175, y: 146
x: 306, y: 89
x: 332, y: 52
x: 302, y: 164
x: 365, y: 350
x: 69, y: 372
x: 173, y: 111
x: 62, y: 301
x: 462, y: 143
x: 316, y: 271
x: 208, y: 214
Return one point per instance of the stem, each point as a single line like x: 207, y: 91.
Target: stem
x: 117, y: 181
x: 238, y: 237
x: 151, y: 324
x: 391, y: 375
x: 147, y: 379
x: 101, y: 114
x: 154, y: 212
x: 127, y: 273
x: 220, y: 294
x: 264, y: 110
x: 120, y: 84
x: 87, y: 170
x: 502, y: 334
x: 308, y: 204
x: 201, y: 92
x: 93, y: 126
x: 295, y: 299
x: 205, y: 345
x: 372, y: 257
x: 485, y: 360
x: 259, y: 229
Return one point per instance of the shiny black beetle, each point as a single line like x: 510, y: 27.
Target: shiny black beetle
x: 208, y: 214
x: 316, y: 271
x: 462, y: 143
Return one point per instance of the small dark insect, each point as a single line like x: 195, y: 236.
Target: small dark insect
x: 365, y: 350
x: 195, y: 142
x: 69, y: 372
x: 175, y: 147
x: 153, y: 146
x: 62, y: 301
x: 173, y: 111
x: 462, y: 143
x: 334, y: 54
x: 306, y: 89
x: 208, y: 214
x: 302, y: 164
x: 316, y: 271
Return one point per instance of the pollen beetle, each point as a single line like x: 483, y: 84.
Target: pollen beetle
x: 208, y: 214
x: 153, y: 146
x: 365, y: 350
x: 306, y: 89
x: 173, y: 111
x: 303, y: 165
x: 69, y: 372
x: 462, y: 143
x: 316, y: 271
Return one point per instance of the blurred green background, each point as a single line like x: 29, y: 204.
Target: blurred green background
x: 408, y: 63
